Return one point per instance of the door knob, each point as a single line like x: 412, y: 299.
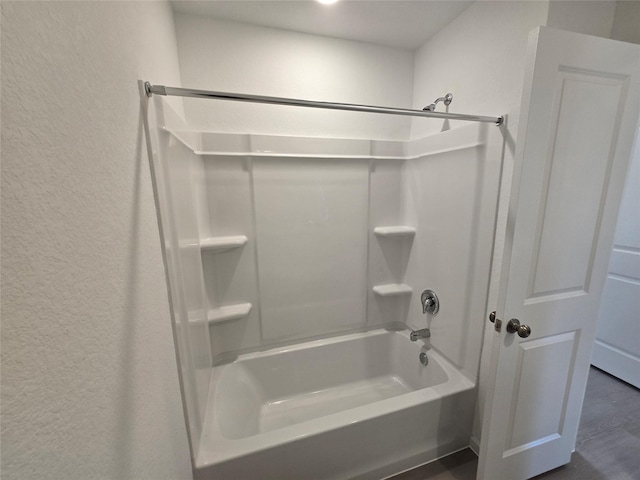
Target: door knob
x: 514, y: 326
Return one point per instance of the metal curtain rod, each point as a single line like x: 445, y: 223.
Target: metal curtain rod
x: 242, y: 97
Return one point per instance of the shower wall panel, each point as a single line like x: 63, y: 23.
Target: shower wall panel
x: 183, y: 168
x: 307, y: 208
x: 311, y: 262
x: 311, y: 217
x: 231, y: 276
x: 451, y: 196
x: 388, y: 256
x: 177, y: 170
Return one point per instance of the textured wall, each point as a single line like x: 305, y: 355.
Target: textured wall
x: 89, y: 383
x: 235, y: 57
x: 626, y: 21
x: 591, y: 17
x: 479, y: 57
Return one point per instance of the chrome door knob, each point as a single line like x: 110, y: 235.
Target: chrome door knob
x: 514, y: 327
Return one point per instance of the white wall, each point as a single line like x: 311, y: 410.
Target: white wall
x: 588, y: 17
x: 234, y: 57
x: 89, y: 383
x: 626, y: 21
x: 479, y: 57
x: 618, y: 20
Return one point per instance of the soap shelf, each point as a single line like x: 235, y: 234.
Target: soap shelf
x: 396, y: 231
x: 392, y: 289
x: 220, y: 244
x: 229, y: 312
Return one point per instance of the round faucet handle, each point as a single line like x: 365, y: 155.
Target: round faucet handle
x: 430, y: 302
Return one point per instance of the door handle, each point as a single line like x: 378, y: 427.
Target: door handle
x: 514, y: 326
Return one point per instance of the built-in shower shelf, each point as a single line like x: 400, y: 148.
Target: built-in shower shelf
x: 392, y: 289
x: 396, y: 231
x: 220, y: 244
x: 229, y: 312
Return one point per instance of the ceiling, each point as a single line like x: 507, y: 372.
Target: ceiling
x: 393, y: 23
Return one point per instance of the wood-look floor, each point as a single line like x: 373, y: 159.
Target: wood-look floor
x: 607, y: 447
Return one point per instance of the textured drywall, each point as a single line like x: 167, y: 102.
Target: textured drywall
x: 588, y: 17
x: 89, y: 378
x: 626, y: 23
x: 235, y: 57
x: 479, y: 57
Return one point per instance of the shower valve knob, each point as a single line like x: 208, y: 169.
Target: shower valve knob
x: 430, y: 302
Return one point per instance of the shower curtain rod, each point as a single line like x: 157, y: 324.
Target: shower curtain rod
x: 242, y: 97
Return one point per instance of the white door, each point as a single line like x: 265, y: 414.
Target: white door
x: 578, y: 116
x: 617, y: 348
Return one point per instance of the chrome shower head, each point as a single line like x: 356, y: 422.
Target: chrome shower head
x: 446, y: 99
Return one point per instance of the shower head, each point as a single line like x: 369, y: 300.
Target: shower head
x: 446, y: 99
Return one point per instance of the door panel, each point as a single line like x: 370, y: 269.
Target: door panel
x: 566, y: 236
x: 617, y: 348
x: 578, y: 114
x: 537, y: 410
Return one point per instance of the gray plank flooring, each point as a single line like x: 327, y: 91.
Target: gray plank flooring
x: 607, y: 446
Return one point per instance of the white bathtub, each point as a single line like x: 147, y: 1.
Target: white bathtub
x: 355, y: 406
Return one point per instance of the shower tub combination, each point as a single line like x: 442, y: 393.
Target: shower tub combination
x: 362, y: 404
x: 356, y: 406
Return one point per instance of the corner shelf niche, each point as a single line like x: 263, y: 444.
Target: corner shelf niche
x: 218, y: 245
x: 395, y: 231
x: 229, y: 312
x: 221, y: 244
x: 392, y: 289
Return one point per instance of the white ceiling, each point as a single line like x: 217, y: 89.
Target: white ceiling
x: 394, y: 23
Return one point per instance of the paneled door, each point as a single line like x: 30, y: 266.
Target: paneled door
x: 577, y: 124
x: 617, y: 348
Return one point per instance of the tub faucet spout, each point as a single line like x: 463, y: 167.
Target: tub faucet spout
x: 422, y: 333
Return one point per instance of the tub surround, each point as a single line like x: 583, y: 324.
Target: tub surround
x: 304, y: 242
x: 272, y: 209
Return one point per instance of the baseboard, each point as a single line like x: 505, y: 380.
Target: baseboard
x: 474, y: 445
x: 616, y: 362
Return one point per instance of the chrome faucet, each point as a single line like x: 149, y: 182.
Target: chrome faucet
x: 417, y: 334
x: 430, y: 302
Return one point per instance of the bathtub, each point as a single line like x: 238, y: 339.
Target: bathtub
x: 355, y: 406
